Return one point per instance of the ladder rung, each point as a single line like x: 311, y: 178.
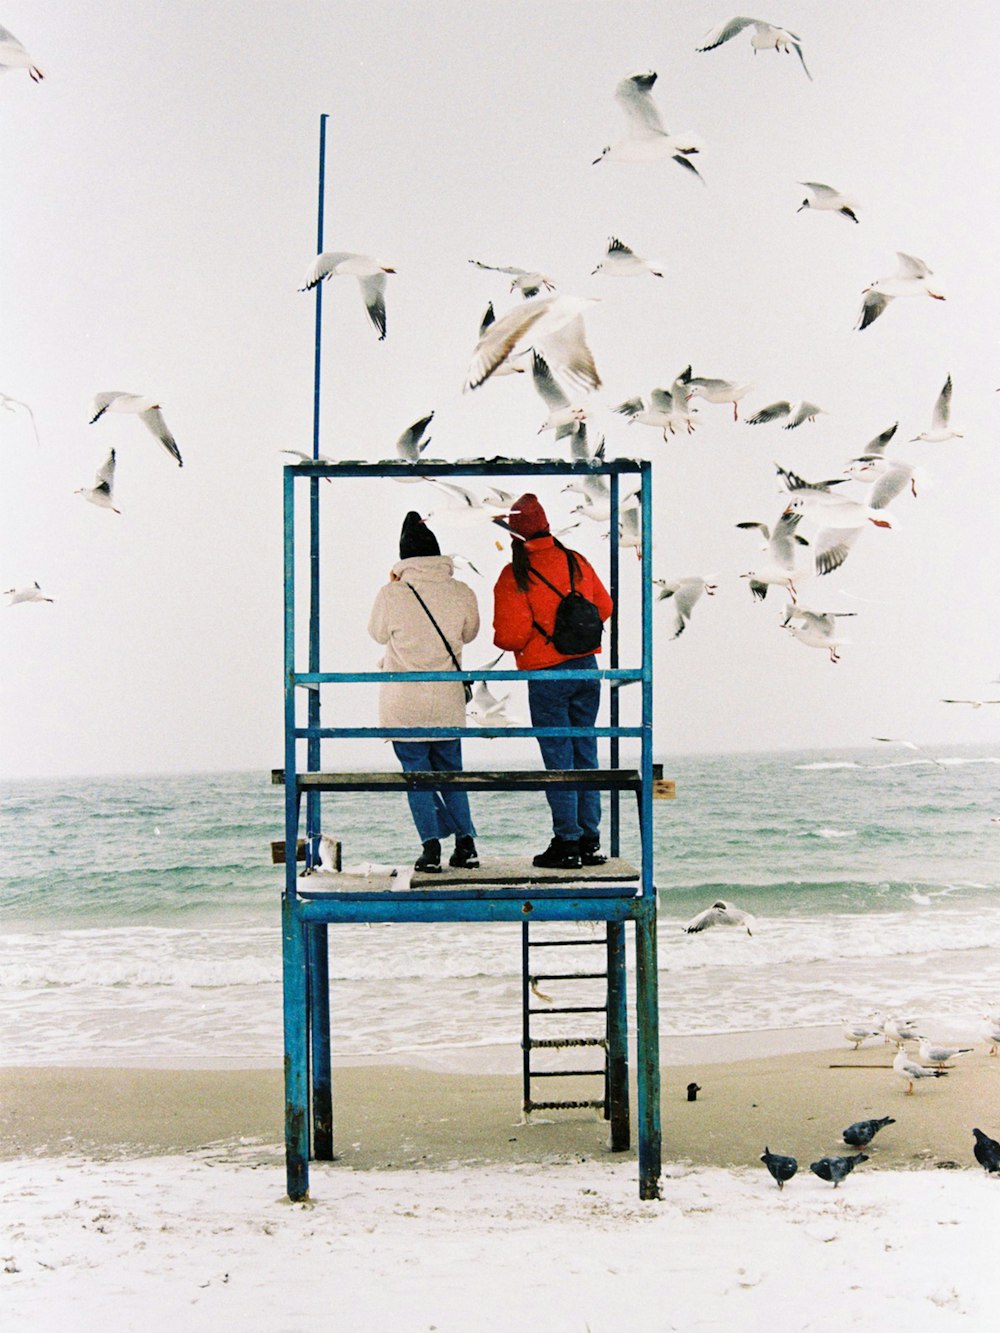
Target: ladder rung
x: 563, y: 1106
x: 569, y: 976
x: 558, y: 944
x: 567, y: 1073
x: 573, y: 1009
x: 559, y: 1042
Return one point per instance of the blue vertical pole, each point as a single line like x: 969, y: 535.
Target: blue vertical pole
x: 646, y: 967
x: 319, y: 985
x: 295, y: 997
x: 615, y: 707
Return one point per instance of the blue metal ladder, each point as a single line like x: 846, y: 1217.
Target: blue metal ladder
x: 307, y: 914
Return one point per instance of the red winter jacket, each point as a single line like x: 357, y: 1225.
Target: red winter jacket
x: 514, y: 610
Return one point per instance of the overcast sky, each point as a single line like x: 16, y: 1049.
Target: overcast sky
x: 159, y: 197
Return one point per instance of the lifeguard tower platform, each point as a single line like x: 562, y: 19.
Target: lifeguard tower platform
x: 509, y: 890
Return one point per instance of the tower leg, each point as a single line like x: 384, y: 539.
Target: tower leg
x: 319, y: 1030
x: 648, y: 1053
x: 617, y: 1108
x: 296, y: 1017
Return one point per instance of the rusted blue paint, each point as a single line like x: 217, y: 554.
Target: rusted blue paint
x: 296, y: 1022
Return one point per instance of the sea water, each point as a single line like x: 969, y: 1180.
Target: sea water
x: 140, y: 916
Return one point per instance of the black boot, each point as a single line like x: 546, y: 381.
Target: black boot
x: 465, y: 856
x: 590, y: 852
x: 429, y: 860
x: 561, y: 854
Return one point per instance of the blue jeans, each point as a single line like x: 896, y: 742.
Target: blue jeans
x: 569, y: 703
x: 436, y: 813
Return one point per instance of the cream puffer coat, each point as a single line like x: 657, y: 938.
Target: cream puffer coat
x: 413, y: 644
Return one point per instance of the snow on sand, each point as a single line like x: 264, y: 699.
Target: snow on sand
x: 207, y: 1240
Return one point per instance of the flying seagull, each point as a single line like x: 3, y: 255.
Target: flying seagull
x: 411, y: 443
x: 564, y: 418
x: 14, y: 56
x: 909, y: 745
x: 797, y: 414
x: 766, y: 37
x: 622, y: 262
x: 529, y: 282
x: 779, y: 567
x: 148, y: 412
x: 817, y: 629
x: 100, y: 493
x: 489, y: 317
x: 12, y: 405
x: 910, y: 279
x: 826, y: 199
x: 31, y: 593
x: 684, y: 593
x: 719, y: 914
x: 555, y: 323
x: 647, y: 140
x: 369, y: 272
x: 715, y: 390
x: 940, y: 430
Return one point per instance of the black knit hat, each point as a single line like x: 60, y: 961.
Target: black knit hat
x: 416, y: 538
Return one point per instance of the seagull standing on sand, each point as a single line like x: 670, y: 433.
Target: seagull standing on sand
x: 621, y: 262
x: 720, y: 914
x: 781, y: 1168
x: 910, y: 279
x: 647, y: 140
x: 908, y: 1068
x: 554, y: 324
x: 684, y: 593
x: 148, y: 412
x: 857, y: 1033
x: 940, y: 430
x: 100, y: 493
x: 766, y: 37
x: 32, y: 593
x: 935, y: 1053
x: 826, y: 199
x: 14, y: 56
x: 369, y: 272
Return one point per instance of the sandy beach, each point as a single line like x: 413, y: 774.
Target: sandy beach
x: 154, y: 1199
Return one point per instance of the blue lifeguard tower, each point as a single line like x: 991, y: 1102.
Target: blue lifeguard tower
x: 511, y: 891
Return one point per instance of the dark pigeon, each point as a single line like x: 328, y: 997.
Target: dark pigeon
x: 987, y: 1151
x: 836, y: 1168
x: 861, y: 1133
x: 782, y: 1168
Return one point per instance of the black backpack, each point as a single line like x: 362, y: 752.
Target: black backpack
x: 577, y: 628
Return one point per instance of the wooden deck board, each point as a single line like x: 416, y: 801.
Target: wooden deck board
x: 497, y: 873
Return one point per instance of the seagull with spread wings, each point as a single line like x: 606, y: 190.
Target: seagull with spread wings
x: 766, y: 37
x: 647, y: 140
x: 910, y: 279
x: 148, y: 412
x: 370, y: 273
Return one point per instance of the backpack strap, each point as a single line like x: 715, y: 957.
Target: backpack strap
x: 558, y: 591
x: 451, y: 653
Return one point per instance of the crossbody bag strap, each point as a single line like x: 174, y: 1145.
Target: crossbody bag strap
x: 435, y: 624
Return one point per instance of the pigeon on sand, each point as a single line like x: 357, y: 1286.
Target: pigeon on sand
x: 836, y: 1168
x: 781, y: 1168
x: 861, y: 1133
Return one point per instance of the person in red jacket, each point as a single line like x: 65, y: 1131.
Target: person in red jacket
x: 523, y: 621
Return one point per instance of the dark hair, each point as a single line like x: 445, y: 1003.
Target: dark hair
x: 520, y: 563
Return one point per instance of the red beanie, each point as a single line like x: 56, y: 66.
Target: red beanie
x: 527, y: 517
